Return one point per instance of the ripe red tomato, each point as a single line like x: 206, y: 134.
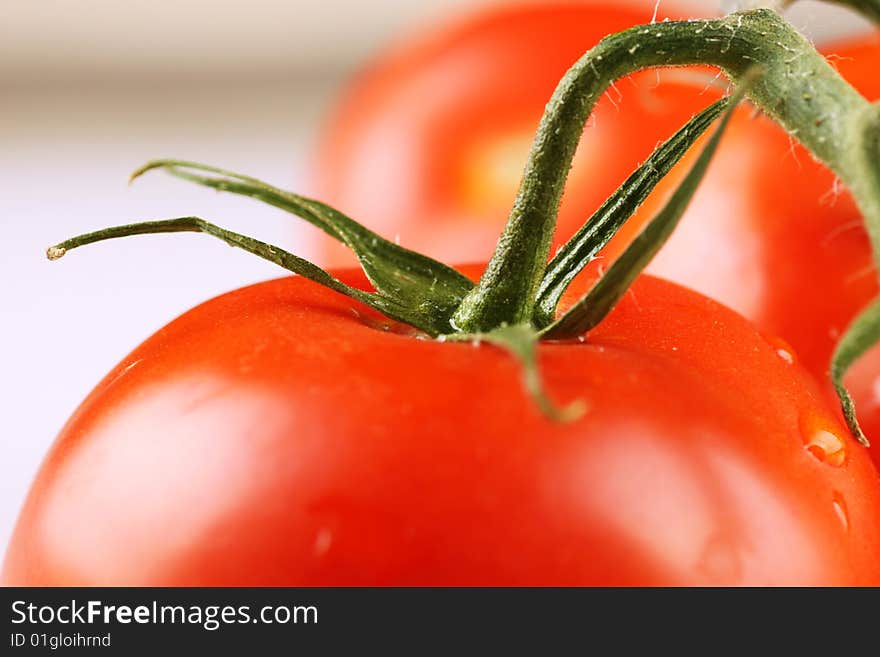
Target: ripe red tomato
x: 768, y: 233
x: 282, y: 434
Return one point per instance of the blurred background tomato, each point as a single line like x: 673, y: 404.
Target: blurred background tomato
x: 92, y: 89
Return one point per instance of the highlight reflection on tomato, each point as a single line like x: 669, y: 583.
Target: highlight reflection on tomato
x: 284, y: 435
x: 769, y: 233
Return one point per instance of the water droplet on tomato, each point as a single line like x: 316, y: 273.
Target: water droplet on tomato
x: 785, y: 355
x: 822, y: 442
x: 784, y: 350
x: 839, y: 506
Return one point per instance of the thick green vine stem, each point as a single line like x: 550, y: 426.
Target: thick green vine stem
x: 798, y: 88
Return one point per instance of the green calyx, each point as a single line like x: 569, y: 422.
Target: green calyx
x: 424, y: 293
x: 515, y: 303
x: 408, y: 287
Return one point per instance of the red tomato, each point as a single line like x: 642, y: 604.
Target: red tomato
x: 282, y: 434
x: 768, y: 233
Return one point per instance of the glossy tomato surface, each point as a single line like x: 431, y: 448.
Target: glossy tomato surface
x: 284, y: 435
x: 769, y: 233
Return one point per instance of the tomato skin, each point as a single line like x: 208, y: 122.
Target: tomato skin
x: 278, y: 435
x: 766, y: 233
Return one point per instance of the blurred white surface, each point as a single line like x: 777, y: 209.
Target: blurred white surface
x: 229, y: 39
x: 91, y: 89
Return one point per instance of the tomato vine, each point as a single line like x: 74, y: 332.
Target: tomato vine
x: 519, y: 291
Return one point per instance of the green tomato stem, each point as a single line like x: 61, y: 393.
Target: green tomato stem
x: 797, y: 87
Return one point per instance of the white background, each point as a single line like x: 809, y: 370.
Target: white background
x: 90, y: 89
